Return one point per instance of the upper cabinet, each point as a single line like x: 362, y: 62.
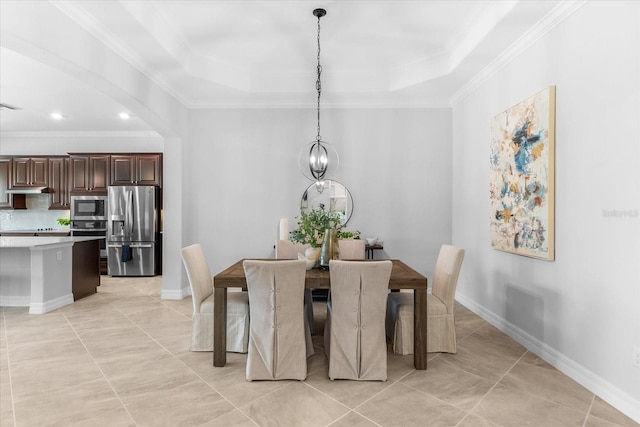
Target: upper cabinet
x: 89, y: 173
x: 30, y: 172
x: 9, y: 201
x: 76, y: 174
x: 59, y: 183
x: 136, y: 169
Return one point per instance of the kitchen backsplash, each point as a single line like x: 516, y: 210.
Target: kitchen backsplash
x: 37, y: 215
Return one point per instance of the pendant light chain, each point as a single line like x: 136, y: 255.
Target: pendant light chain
x: 318, y: 83
x: 314, y: 159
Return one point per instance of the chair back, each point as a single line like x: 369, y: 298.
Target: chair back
x: 277, y: 347
x: 200, y: 278
x: 445, y: 278
x: 286, y: 249
x: 352, y: 249
x: 358, y: 347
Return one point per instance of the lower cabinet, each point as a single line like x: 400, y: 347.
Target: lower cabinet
x: 85, y: 277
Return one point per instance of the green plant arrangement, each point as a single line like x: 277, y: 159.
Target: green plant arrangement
x: 311, y: 226
x: 344, y: 234
x: 64, y: 221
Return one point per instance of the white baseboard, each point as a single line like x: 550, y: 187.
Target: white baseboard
x: 14, y: 301
x: 622, y: 401
x: 176, y: 295
x: 47, y: 306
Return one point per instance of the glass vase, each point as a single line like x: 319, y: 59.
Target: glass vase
x: 329, y: 249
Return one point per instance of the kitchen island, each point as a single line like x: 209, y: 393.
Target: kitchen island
x: 46, y: 273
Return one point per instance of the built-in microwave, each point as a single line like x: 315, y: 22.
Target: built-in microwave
x: 89, y: 208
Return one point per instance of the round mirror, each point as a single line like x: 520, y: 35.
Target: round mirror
x: 330, y: 195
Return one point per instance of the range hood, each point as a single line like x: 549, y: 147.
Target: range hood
x: 28, y: 190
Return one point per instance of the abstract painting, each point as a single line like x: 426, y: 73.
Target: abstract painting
x: 521, y: 189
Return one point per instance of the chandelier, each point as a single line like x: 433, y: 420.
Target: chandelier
x: 318, y: 158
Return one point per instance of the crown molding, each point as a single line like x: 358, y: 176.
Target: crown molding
x: 74, y: 10
x: 81, y: 134
x: 558, y: 14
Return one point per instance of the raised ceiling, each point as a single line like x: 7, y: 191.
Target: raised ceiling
x: 251, y: 54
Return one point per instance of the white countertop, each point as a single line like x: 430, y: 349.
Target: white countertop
x: 33, y: 241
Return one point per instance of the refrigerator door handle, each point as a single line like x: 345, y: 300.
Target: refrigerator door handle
x: 148, y: 245
x: 129, y: 213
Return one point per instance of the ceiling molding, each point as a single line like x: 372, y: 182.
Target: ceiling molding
x: 74, y: 10
x: 336, y: 106
x: 451, y: 57
x: 172, y: 41
x: 81, y: 134
x: 558, y: 14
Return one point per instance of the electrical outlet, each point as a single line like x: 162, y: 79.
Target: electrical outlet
x: 59, y: 255
x: 636, y: 356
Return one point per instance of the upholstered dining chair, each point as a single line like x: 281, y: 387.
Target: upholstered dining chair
x: 286, y: 249
x: 351, y: 249
x: 201, y: 282
x: 441, y: 330
x: 354, y: 334
x: 277, y: 348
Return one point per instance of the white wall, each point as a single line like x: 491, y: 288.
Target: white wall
x: 580, y: 312
x: 243, y: 176
x: 50, y: 144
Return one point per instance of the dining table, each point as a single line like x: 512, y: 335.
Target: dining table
x: 402, y: 277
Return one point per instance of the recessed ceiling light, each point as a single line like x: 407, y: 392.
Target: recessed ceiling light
x: 57, y: 116
x: 124, y: 116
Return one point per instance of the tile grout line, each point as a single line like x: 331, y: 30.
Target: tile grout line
x: 183, y: 363
x: 352, y: 411
x: 100, y: 369
x: 586, y: 418
x: 544, y: 398
x: 6, y: 343
x: 496, y: 383
x: 176, y: 357
x: 440, y: 400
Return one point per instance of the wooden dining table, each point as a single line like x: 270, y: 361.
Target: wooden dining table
x: 402, y: 277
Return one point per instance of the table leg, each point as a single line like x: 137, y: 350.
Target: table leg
x: 219, y: 326
x: 420, y: 329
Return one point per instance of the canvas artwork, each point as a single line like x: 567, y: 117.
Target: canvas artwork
x: 521, y: 189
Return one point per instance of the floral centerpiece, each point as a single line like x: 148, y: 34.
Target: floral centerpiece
x: 345, y: 234
x: 312, y: 224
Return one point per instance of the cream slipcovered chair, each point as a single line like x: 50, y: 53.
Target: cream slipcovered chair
x: 277, y: 348
x: 441, y: 330
x: 354, y: 335
x: 286, y: 249
x: 201, y: 283
x: 351, y: 249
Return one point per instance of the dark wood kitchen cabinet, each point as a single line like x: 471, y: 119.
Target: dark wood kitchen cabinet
x: 9, y: 201
x: 30, y: 172
x: 136, y: 169
x: 89, y: 173
x: 5, y: 178
x: 59, y: 183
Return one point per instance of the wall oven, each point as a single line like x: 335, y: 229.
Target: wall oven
x: 91, y: 228
x: 89, y: 218
x: 89, y: 208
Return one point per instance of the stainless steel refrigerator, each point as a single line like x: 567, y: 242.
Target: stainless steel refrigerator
x: 132, y: 225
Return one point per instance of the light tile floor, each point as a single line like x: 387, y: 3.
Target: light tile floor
x: 120, y: 358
